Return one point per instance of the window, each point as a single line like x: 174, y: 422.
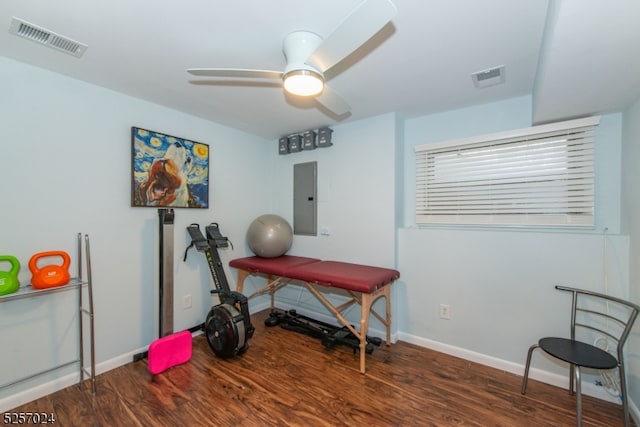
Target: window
x: 540, y: 176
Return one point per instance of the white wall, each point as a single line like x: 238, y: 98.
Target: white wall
x: 631, y: 225
x: 66, y: 168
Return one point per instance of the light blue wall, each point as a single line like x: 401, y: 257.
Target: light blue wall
x: 499, y: 282
x: 631, y: 226
x: 356, y: 189
x: 515, y: 114
x: 356, y: 203
x: 489, y: 118
x: 65, y: 169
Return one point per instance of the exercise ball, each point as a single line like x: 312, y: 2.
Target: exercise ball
x: 269, y: 236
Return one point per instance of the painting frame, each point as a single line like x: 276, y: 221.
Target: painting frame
x: 168, y: 171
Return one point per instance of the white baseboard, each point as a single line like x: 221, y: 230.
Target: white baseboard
x: 515, y: 368
x: 26, y: 396
x: 22, y: 397
x: 42, y: 390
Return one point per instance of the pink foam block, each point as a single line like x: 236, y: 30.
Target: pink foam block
x: 169, y: 351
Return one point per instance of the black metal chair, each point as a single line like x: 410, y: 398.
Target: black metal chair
x: 595, y: 317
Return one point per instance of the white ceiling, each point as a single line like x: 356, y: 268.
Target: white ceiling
x: 575, y: 57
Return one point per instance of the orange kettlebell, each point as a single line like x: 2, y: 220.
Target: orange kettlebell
x: 50, y: 275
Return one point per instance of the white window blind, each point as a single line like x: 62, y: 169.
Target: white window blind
x: 540, y: 176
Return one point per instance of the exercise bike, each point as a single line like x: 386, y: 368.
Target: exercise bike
x: 228, y: 325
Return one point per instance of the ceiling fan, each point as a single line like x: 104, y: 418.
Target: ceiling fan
x: 309, y: 56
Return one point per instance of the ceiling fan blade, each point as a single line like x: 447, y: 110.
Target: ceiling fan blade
x: 353, y: 32
x: 235, y: 72
x: 332, y: 101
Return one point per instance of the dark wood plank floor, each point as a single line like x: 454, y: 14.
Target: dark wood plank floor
x: 287, y: 379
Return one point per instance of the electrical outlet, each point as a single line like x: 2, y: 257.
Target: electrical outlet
x: 445, y: 311
x: 186, y: 301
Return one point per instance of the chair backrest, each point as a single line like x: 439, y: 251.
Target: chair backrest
x: 601, y: 318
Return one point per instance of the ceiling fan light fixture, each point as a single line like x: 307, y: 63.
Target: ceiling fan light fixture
x: 303, y: 82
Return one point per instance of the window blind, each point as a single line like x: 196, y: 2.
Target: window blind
x: 540, y: 176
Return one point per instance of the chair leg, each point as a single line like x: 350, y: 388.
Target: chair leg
x: 578, y: 397
x: 623, y: 390
x: 571, y: 378
x: 526, y: 369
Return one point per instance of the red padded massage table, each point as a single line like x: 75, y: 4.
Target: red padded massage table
x: 364, y: 284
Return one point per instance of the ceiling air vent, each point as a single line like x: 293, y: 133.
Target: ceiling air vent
x: 490, y: 77
x: 48, y: 38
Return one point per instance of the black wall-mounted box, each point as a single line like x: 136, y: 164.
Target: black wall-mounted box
x: 295, y: 143
x: 324, y: 137
x: 309, y: 140
x: 283, y: 145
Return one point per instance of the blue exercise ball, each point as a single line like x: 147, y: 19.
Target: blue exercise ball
x: 269, y: 236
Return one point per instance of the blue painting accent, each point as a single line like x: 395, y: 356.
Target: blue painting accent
x: 168, y: 171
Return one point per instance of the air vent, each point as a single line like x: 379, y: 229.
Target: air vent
x: 45, y: 37
x: 490, y: 77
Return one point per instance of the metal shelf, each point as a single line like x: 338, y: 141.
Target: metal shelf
x: 76, y: 284
x: 29, y: 291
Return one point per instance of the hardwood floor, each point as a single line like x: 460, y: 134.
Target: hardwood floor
x: 288, y: 379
